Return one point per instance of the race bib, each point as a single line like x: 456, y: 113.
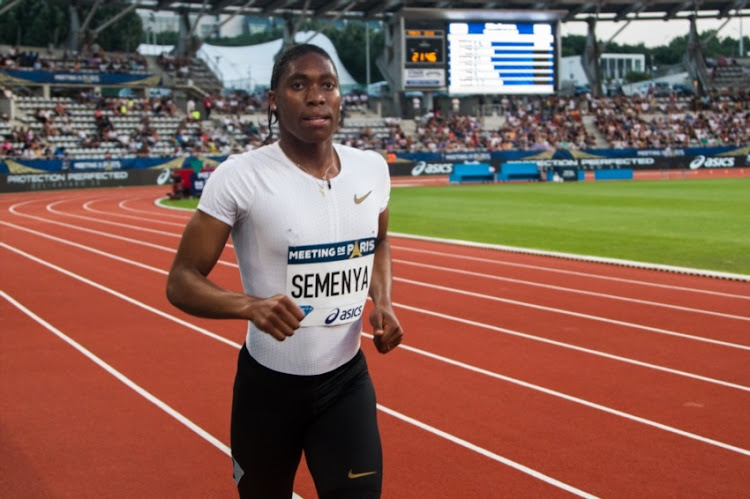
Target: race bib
x: 329, y: 282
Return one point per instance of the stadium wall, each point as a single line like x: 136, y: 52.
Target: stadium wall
x: 24, y: 174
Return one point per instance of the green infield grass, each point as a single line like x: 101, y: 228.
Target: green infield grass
x: 702, y: 224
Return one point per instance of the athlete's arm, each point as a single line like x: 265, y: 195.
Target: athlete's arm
x: 387, y: 332
x: 190, y: 290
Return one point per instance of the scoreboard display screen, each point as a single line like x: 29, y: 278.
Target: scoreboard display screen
x: 501, y: 57
x: 424, y: 58
x: 473, y: 52
x: 425, y: 47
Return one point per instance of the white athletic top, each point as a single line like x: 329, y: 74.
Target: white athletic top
x: 294, y: 235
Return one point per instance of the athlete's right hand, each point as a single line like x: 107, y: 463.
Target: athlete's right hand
x: 278, y: 316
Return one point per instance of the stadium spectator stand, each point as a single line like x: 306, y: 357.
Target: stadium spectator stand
x: 81, y: 123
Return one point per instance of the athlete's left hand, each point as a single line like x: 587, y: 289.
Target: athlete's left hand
x: 387, y: 332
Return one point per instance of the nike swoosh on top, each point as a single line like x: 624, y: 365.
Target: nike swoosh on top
x: 353, y: 475
x: 358, y: 200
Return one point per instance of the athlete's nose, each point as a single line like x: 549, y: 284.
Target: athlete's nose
x: 316, y: 95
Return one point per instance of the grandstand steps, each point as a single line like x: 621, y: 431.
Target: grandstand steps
x: 493, y: 122
x: 601, y: 141
x: 409, y: 127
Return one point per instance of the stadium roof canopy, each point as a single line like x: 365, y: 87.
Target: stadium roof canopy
x: 573, y: 10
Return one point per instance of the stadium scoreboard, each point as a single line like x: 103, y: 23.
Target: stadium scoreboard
x: 424, y: 60
x: 497, y: 58
x: 479, y: 53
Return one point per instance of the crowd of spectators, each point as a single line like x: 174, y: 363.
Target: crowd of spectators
x: 710, y: 121
x: 526, y: 123
x: 178, y: 65
x: 90, y: 58
x: 233, y: 121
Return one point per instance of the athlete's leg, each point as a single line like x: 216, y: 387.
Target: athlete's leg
x: 343, y: 449
x: 266, y: 432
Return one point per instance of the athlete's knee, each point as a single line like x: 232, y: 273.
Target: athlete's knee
x: 351, y: 493
x: 254, y: 485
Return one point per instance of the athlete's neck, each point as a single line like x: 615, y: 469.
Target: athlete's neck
x: 316, y: 159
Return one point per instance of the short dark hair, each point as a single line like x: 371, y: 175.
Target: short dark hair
x: 291, y: 54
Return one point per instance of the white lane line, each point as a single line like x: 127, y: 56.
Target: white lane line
x: 87, y: 206
x: 51, y: 208
x: 452, y: 318
x: 577, y: 400
x: 121, y: 377
x: 576, y: 348
x: 181, y: 418
x: 529, y: 283
x: 574, y: 291
x: 501, y: 250
x: 14, y: 209
x: 123, y: 297
x: 92, y: 231
x: 508, y: 462
x: 469, y: 367
x: 577, y: 314
x: 484, y: 452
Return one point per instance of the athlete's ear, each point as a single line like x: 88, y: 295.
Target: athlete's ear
x: 272, y: 103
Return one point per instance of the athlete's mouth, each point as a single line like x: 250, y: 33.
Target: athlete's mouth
x: 317, y: 119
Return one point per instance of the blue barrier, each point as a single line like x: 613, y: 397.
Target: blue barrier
x: 472, y: 172
x: 519, y: 171
x: 621, y: 174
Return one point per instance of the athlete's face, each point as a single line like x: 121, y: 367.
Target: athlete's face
x: 308, y: 99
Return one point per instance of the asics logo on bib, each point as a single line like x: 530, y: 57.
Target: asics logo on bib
x: 345, y: 314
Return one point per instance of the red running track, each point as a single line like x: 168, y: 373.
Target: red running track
x: 520, y: 375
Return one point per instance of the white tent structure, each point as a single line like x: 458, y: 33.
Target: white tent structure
x: 249, y: 67
x: 150, y: 49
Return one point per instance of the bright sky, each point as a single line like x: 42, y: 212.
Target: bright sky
x: 656, y: 33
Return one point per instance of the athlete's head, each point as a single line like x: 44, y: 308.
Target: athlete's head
x: 305, y: 97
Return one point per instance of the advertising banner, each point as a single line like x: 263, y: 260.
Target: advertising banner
x: 21, y: 77
x: 25, y: 182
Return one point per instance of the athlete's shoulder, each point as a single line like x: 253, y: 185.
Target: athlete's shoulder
x: 249, y: 161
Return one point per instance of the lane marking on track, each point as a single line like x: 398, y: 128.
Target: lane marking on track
x: 123, y: 297
x: 574, y: 273
x: 568, y: 346
x: 580, y: 258
x: 433, y: 430
x: 573, y: 290
x: 468, y: 293
x: 121, y: 377
x: 14, y: 210
x: 469, y: 367
x: 433, y: 313
x: 86, y: 206
x: 52, y: 209
x: 178, y: 416
x: 513, y: 249
x: 92, y: 231
x: 576, y: 400
x: 529, y: 283
x: 484, y: 260
x: 484, y: 452
x: 585, y: 316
